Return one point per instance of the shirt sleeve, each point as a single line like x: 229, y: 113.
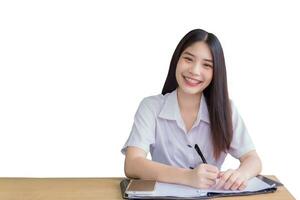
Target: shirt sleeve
x: 142, y: 134
x: 241, y: 141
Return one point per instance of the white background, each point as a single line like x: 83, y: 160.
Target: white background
x: 72, y: 74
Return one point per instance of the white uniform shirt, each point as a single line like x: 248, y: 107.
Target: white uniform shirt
x: 158, y: 127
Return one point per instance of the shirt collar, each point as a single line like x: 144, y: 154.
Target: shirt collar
x: 171, y: 111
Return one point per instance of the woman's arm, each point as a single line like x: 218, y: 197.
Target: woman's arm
x: 250, y: 166
x: 138, y: 166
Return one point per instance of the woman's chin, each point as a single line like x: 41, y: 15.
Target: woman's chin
x: 192, y: 91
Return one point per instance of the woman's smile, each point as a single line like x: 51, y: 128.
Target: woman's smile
x: 191, y: 82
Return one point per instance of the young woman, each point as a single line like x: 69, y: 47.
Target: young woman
x: 193, y: 110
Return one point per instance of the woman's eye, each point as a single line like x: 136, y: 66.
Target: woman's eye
x: 206, y: 65
x: 188, y: 59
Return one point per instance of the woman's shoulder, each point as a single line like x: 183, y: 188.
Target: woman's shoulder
x: 236, y: 117
x: 153, y: 103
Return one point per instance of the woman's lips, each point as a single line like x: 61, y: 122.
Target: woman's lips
x: 191, y: 82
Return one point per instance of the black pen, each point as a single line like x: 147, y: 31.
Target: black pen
x: 200, y: 153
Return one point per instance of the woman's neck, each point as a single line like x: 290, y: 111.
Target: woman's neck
x: 188, y: 102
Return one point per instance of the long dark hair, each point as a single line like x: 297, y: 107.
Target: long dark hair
x: 216, y: 93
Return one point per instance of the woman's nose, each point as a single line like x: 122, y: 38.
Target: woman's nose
x: 195, y: 69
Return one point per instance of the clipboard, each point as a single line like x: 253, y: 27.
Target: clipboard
x: 142, y: 187
x: 124, y: 183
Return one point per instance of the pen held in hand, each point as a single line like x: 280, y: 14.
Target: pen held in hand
x: 200, y: 153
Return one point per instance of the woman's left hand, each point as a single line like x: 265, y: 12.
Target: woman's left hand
x: 232, y: 179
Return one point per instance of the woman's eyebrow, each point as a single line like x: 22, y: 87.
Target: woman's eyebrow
x: 188, y: 53
x: 205, y: 59
x: 208, y: 60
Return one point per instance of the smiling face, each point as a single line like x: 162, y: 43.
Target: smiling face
x: 194, y: 69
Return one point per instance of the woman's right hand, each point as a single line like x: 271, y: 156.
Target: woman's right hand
x: 204, y: 176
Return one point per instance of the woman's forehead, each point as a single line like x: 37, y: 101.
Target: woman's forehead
x: 199, y: 49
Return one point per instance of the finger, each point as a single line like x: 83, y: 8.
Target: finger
x: 243, y: 185
x: 220, y: 174
x: 223, y: 179
x: 230, y: 181
x: 220, y: 184
x: 205, y: 183
x: 205, y: 186
x: 238, y: 182
x: 209, y: 182
x: 212, y: 176
x: 211, y: 168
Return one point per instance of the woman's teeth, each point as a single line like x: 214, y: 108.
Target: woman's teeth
x: 192, y: 80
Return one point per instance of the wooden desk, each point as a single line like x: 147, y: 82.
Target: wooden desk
x: 86, y: 189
